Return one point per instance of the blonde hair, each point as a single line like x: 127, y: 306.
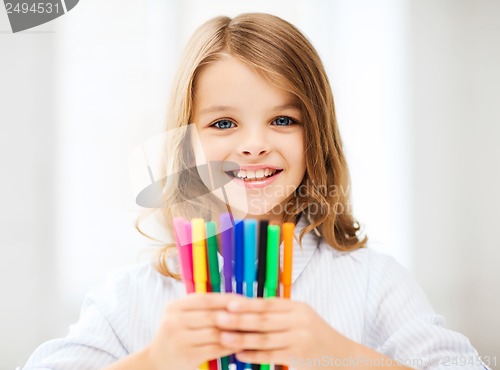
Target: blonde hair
x: 282, y: 54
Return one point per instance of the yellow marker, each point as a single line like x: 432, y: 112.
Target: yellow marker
x: 199, y: 255
x: 199, y: 261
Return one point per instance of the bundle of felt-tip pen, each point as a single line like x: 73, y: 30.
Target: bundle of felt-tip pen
x: 250, y: 252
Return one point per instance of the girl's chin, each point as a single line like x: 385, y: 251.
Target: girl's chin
x: 257, y: 203
x: 258, y: 210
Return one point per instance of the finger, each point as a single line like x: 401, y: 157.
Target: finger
x: 277, y: 357
x: 211, y: 352
x: 204, y: 301
x: 243, y: 304
x: 256, y: 341
x: 200, y: 319
x: 201, y: 337
x: 259, y: 322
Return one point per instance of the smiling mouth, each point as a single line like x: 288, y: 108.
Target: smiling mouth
x: 249, y: 176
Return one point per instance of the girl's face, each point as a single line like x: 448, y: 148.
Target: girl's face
x: 242, y: 118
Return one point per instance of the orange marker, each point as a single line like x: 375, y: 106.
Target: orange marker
x: 286, y: 277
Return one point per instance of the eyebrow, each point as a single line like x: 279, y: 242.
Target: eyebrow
x: 225, y: 108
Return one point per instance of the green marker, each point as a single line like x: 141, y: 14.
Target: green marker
x: 213, y: 270
x: 271, y: 284
x: 213, y: 261
x: 273, y: 247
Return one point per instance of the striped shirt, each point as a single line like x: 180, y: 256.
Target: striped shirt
x: 365, y: 295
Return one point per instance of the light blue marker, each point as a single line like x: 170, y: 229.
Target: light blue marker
x: 250, y: 251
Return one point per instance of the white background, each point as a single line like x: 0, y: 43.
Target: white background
x: 417, y: 89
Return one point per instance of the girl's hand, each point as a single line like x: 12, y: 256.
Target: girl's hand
x: 278, y: 331
x: 187, y: 335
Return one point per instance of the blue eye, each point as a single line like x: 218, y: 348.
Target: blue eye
x: 222, y: 124
x: 284, y: 121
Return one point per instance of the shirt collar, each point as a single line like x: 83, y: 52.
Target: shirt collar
x: 302, y: 256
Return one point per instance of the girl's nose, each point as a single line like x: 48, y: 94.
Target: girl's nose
x: 255, y: 144
x: 255, y: 152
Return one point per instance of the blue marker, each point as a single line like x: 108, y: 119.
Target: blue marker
x: 239, y: 245
x: 250, y: 255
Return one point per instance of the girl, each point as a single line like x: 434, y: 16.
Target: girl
x: 254, y: 102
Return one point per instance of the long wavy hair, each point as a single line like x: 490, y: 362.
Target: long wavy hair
x: 282, y: 54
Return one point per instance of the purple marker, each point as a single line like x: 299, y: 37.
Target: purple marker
x: 226, y: 241
x: 226, y: 230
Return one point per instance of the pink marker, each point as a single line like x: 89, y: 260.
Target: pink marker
x: 183, y: 241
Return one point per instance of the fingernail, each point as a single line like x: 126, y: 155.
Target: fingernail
x: 240, y: 356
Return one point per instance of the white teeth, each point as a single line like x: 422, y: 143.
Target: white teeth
x: 260, y: 173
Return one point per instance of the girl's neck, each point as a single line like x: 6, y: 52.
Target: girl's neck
x: 273, y: 218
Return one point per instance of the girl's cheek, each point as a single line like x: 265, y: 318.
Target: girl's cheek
x: 218, y: 148
x: 205, y: 149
